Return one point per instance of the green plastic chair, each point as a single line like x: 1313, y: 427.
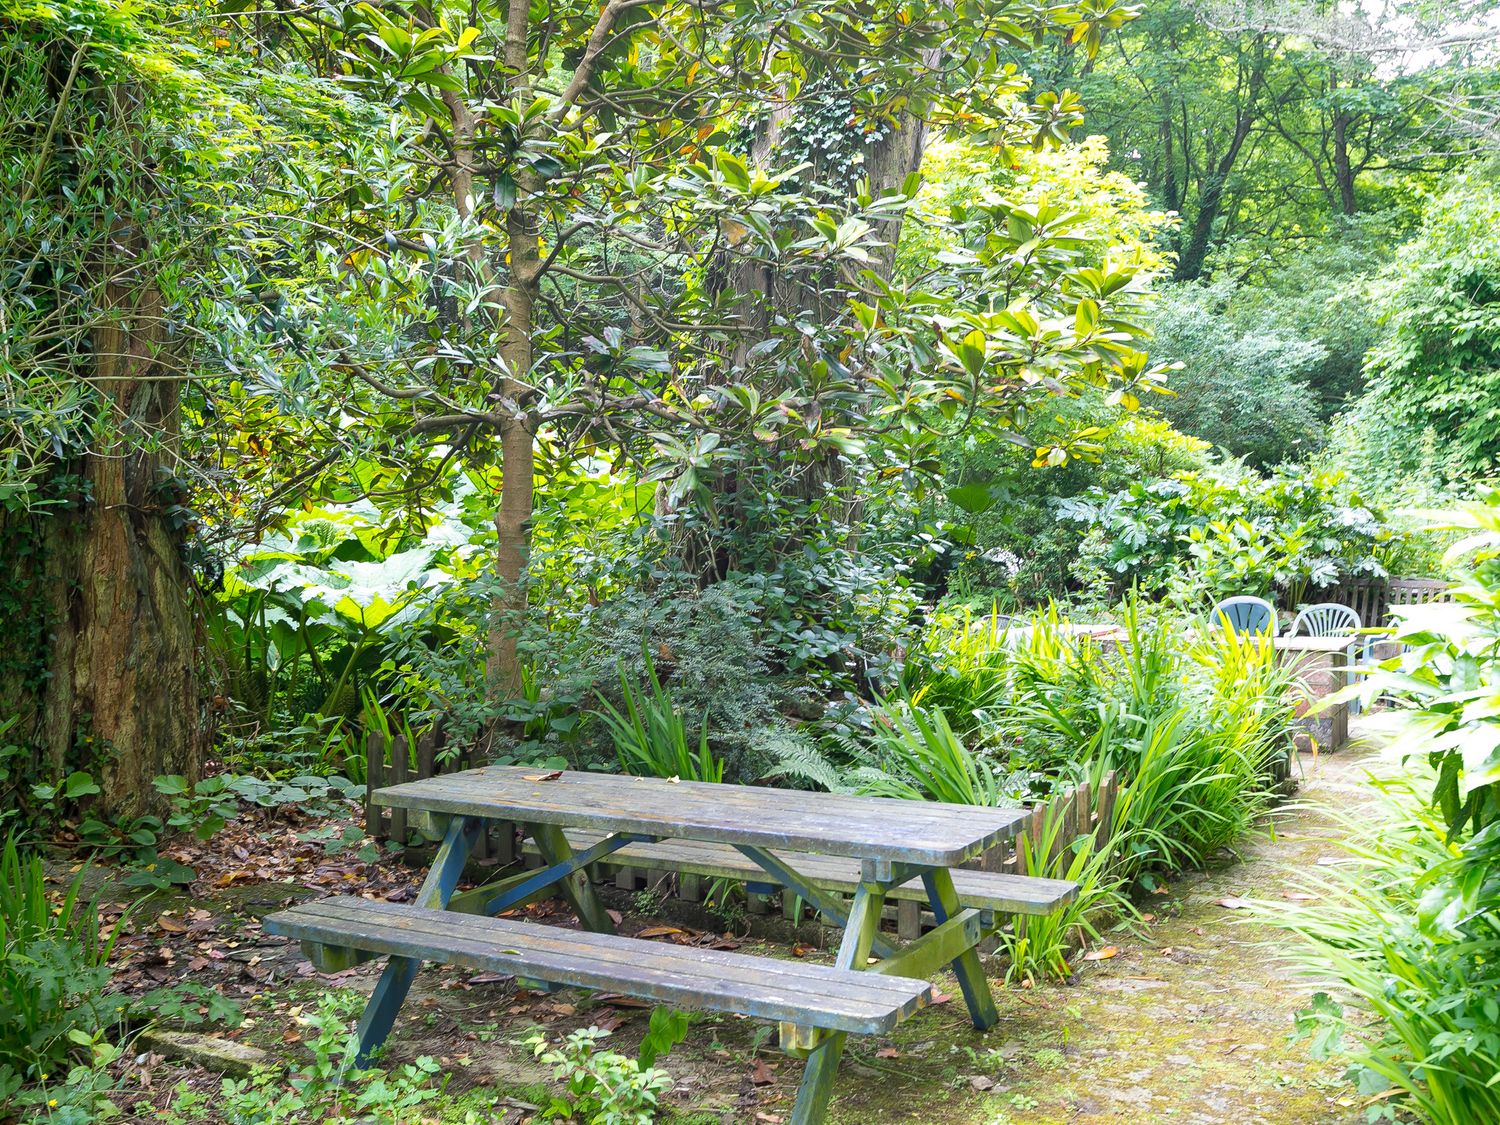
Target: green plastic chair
x: 1245, y: 615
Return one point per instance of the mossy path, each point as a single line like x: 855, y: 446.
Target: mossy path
x: 1189, y: 1023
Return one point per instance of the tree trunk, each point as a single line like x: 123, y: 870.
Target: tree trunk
x: 109, y: 685
x: 1343, y: 168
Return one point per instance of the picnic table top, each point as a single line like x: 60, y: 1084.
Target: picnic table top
x: 876, y: 828
x: 1304, y: 643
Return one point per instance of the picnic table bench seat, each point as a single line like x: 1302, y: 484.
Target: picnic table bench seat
x: 794, y: 992
x: 994, y: 891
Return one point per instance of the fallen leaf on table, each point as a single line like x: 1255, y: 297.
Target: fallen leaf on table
x: 1233, y: 902
x: 553, y: 776
x: 1102, y: 954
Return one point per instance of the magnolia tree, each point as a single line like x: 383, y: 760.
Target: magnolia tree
x: 664, y: 231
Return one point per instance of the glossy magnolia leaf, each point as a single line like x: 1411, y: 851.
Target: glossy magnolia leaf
x: 973, y: 498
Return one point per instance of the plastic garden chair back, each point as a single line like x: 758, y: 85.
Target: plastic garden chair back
x: 1245, y: 615
x: 1327, y: 619
x: 1330, y: 619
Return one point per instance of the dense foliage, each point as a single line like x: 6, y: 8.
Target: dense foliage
x: 1408, y: 927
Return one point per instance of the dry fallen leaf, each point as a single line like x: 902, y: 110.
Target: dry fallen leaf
x: 553, y: 776
x: 1167, y: 952
x: 1102, y: 954
x: 760, y: 1073
x: 981, y: 1083
x: 1233, y: 902
x: 1148, y: 917
x: 171, y: 925
x: 658, y: 931
x: 887, y: 1053
x: 940, y: 997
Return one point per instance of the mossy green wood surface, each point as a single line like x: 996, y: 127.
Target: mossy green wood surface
x: 683, y: 976
x: 995, y: 891
x: 925, y: 833
x: 823, y: 1061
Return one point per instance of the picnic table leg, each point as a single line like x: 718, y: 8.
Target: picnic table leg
x: 854, y: 951
x: 390, y: 991
x: 970, y: 973
x: 576, y: 888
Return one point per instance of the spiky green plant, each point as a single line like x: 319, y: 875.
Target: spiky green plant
x: 52, y: 967
x: 651, y: 736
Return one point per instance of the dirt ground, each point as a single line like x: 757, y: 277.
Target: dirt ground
x: 1190, y: 1022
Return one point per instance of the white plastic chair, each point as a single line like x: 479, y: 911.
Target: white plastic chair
x: 1331, y: 619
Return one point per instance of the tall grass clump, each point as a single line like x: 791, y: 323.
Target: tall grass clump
x: 52, y: 970
x: 652, y: 738
x: 1195, y: 725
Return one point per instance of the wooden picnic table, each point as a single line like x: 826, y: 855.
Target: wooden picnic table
x: 894, y: 842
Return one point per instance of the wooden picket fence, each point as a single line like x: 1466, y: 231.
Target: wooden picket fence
x: 1372, y: 598
x: 397, y: 760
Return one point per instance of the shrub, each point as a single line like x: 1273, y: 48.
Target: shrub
x: 602, y: 1087
x: 1408, y: 929
x: 1243, y: 386
x: 52, y: 970
x: 1230, y: 531
x: 707, y: 651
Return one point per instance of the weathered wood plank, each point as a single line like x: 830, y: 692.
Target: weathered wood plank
x: 875, y: 828
x: 684, y: 976
x: 399, y: 771
x: 404, y: 923
x: 997, y: 891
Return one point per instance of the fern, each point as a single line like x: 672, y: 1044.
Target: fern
x: 799, y: 760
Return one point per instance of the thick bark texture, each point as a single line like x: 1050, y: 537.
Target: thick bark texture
x: 110, y: 685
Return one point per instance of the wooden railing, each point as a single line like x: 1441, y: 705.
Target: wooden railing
x: 1372, y: 598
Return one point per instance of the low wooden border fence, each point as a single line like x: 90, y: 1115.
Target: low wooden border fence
x: 1372, y: 598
